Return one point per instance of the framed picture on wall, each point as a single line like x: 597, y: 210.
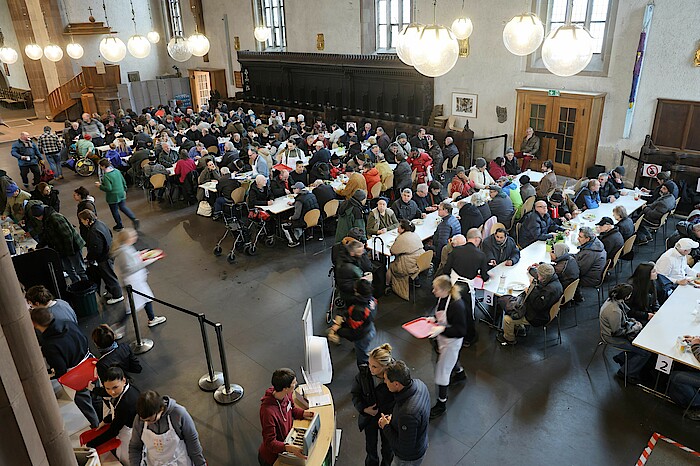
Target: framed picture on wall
x: 464, y: 105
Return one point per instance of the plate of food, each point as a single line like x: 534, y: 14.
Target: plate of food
x: 418, y: 221
x: 518, y: 286
x: 152, y: 254
x: 589, y: 217
x: 6, y: 231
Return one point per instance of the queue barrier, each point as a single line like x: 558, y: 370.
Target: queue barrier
x: 225, y: 392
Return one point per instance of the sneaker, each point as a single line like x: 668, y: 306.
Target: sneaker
x: 294, y: 244
x: 438, y: 410
x: 457, y: 377
x: 503, y: 341
x: 157, y: 320
x: 117, y: 228
x: 118, y: 336
x: 137, y: 224
x: 520, y: 331
x: 115, y: 300
x: 693, y: 414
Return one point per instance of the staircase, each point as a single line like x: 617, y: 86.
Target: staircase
x: 64, y: 96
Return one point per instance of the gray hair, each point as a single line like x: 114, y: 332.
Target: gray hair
x: 225, y: 171
x: 422, y: 187
x: 228, y: 145
x: 588, y: 232
x: 473, y: 233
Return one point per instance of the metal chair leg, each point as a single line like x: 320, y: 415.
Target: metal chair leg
x: 545, y: 342
x: 559, y: 327
x: 575, y: 316
x: 625, y: 369
x: 594, y: 353
x: 691, y: 403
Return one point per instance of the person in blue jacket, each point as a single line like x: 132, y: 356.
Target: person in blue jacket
x: 27, y: 154
x: 446, y: 229
x: 589, y: 196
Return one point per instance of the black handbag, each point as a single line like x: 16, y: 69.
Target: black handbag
x: 378, y: 268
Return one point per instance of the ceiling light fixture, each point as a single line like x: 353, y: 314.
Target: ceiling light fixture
x: 523, y: 34
x: 462, y: 27
x: 138, y: 45
x: 437, y: 51
x: 568, y: 49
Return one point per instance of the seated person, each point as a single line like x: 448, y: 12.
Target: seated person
x: 610, y: 236
x: 372, y: 177
x: 461, y: 184
x: 615, y: 177
x: 479, y: 176
x: 447, y: 228
x: 406, y: 249
x: 608, y: 192
x: 210, y: 173
x: 167, y: 156
x: 497, y: 168
x: 299, y: 174
x: 469, y: 215
x: 381, y: 219
x: 304, y: 202
x: 544, y: 291
x: 526, y: 189
x: 336, y: 166
x: 224, y: 188
x: 565, y: 264
x: 644, y: 301
x: 618, y: 329
x: 321, y: 154
x: 511, y: 166
x: 588, y: 197
x: 624, y: 223
x: 686, y: 230
x: 259, y: 193
x: 662, y: 179
x: 654, y: 211
x: 591, y: 258
x: 122, y: 410
x: 500, y: 248
x: 501, y: 206
x: 423, y: 200
x: 673, y: 264
x: 355, y: 182
x: 683, y: 385
x: 280, y: 184
x: 435, y: 193
x: 511, y: 190
x: 323, y: 193
x: 406, y: 207
x: 420, y: 162
x: 561, y: 207
x: 154, y: 167
x: 536, y: 225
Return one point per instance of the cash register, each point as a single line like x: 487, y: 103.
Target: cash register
x: 303, y: 437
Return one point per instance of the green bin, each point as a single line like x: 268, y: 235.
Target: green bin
x: 83, y: 297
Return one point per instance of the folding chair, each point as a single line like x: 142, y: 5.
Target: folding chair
x: 311, y: 219
x: 424, y: 261
x: 605, y: 345
x: 553, y: 314
x: 568, y: 297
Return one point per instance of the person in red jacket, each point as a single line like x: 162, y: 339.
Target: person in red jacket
x: 497, y: 168
x: 420, y: 161
x: 277, y: 413
x: 372, y: 177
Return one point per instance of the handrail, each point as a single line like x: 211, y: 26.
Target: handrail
x: 60, y: 98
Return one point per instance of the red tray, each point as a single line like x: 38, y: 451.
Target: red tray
x: 160, y: 253
x: 419, y: 328
x: 80, y: 376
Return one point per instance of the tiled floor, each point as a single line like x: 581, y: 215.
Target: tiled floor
x: 516, y: 407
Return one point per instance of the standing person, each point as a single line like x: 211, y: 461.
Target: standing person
x: 50, y: 145
x: 114, y: 185
x: 351, y: 214
x: 548, y: 181
x: 64, y: 347
x: 131, y: 270
x: 277, y: 413
x: 121, y: 404
x: 112, y: 353
x: 15, y: 202
x: 85, y: 202
x: 449, y: 330
x: 406, y: 427
x: 371, y: 396
x: 48, y: 195
x: 28, y: 156
x: 38, y: 296
x: 59, y: 234
x: 164, y: 434
x: 99, y: 243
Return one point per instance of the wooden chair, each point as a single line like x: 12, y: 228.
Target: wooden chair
x: 599, y: 286
x: 213, y: 150
x: 331, y: 208
x: 627, y: 248
x: 423, y: 261
x: 615, y: 259
x: 455, y: 160
x: 157, y: 182
x: 451, y: 120
x: 553, y: 314
x: 312, y: 219
x: 414, y: 176
x: 238, y: 194
x: 496, y: 226
x: 518, y: 226
x: 527, y: 206
x: 568, y: 297
x: 580, y: 184
x: 376, y: 190
x: 654, y: 229
x: 449, y: 190
x: 638, y: 223
x: 445, y: 165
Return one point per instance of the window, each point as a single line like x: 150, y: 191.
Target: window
x: 273, y: 17
x: 598, y: 16
x: 174, y: 18
x: 391, y: 16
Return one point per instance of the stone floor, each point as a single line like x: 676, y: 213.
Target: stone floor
x: 516, y: 407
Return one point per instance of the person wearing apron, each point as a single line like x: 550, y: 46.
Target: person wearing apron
x: 121, y: 411
x: 164, y: 434
x: 449, y: 330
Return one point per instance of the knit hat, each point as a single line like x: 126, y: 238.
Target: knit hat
x: 359, y: 195
x: 11, y: 189
x: 560, y: 249
x: 402, y: 136
x: 510, y: 150
x: 298, y: 185
x: 37, y: 210
x: 524, y: 179
x: 669, y: 186
x: 546, y: 270
x: 480, y: 162
x: 460, y: 169
x: 495, y: 187
x: 556, y: 197
x: 620, y: 170
x: 686, y: 243
x: 87, y: 137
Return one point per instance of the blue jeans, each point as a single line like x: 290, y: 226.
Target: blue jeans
x: 219, y: 204
x: 54, y: 161
x: 399, y: 462
x: 148, y: 307
x: 115, y: 208
x: 636, y: 359
x: 683, y: 386
x: 74, y: 267
x: 362, y: 346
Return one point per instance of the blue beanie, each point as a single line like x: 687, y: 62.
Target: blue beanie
x: 11, y: 189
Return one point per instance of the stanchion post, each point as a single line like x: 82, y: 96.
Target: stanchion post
x: 140, y: 346
x: 228, y: 392
x: 210, y: 381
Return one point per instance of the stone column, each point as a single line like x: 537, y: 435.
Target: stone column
x: 34, y: 406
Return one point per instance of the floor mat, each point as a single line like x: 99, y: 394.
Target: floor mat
x: 662, y: 451
x: 18, y: 123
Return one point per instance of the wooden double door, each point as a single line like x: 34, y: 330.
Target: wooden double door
x: 568, y: 126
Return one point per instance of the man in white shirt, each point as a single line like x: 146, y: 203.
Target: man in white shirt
x: 673, y: 264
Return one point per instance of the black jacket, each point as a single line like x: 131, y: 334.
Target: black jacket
x: 456, y: 316
x: 51, y: 200
x: 226, y: 186
x: 209, y: 141
x: 502, y: 207
x: 407, y: 433
x: 408, y: 211
x: 654, y: 211
x: 63, y: 345
x: 121, y: 356
x: 612, y: 241
x: 347, y: 270
x: 606, y: 190
x: 402, y: 177
x: 485, y: 211
x: 567, y: 270
x: 321, y: 155
x: 470, y: 217
x: 124, y: 414
x: 279, y: 188
x: 305, y: 202
x: 99, y: 241
x: 541, y: 299
x: 295, y: 177
x: 366, y: 392
x: 535, y: 228
x: 467, y: 261
x: 228, y: 159
x: 512, y: 167
x: 257, y: 196
x: 422, y: 202
x: 500, y: 252
x: 626, y: 227
x: 323, y: 193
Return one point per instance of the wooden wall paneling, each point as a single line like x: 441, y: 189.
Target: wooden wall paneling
x: 670, y: 122
x: 693, y: 140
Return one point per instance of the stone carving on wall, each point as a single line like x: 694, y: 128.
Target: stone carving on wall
x: 502, y: 114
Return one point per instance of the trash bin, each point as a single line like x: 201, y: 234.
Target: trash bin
x: 83, y: 297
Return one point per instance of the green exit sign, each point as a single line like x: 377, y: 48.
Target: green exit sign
x: 553, y: 93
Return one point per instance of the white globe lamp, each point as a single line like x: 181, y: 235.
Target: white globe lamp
x: 523, y: 34
x: 153, y: 37
x: 567, y: 50
x: 179, y: 49
x: 33, y: 51
x: 75, y: 51
x: 262, y: 33
x: 8, y: 55
x: 53, y: 52
x: 408, y: 41
x: 139, y: 46
x: 462, y: 28
x: 199, y: 44
x: 113, y: 49
x: 437, y: 51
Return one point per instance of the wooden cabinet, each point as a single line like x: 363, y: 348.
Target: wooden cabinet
x: 568, y: 126
x: 677, y: 125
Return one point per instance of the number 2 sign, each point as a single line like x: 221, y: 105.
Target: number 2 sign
x: 663, y: 364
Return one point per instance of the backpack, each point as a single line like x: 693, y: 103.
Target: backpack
x: 46, y: 173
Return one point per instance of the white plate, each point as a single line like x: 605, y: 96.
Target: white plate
x: 518, y: 287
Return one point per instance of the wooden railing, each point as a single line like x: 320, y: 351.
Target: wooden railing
x: 60, y: 99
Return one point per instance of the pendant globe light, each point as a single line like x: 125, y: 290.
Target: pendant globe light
x: 408, y: 38
x: 198, y: 42
x: 262, y: 33
x: 53, y: 52
x: 523, y: 34
x: 179, y: 49
x: 138, y: 45
x: 112, y: 47
x: 462, y: 27
x: 8, y: 55
x: 568, y: 49
x: 153, y: 35
x: 74, y: 50
x: 437, y: 50
x: 33, y: 51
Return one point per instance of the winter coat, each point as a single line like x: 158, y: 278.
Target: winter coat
x: 467, y: 261
x: 527, y: 191
x: 355, y: 181
x: 606, y: 190
x: 535, y: 228
x: 591, y: 259
x: 347, y: 270
x: 120, y: 355
x: 463, y: 187
x: 470, y: 217
x: 615, y: 325
x: 259, y: 197
x: 304, y: 203
x: 350, y: 215
x: 587, y: 199
x: 512, y: 167
x: 402, y: 176
x: 654, y: 211
x: 500, y: 252
x: 367, y: 391
x: 446, y: 229
x: 63, y: 346
x: 496, y: 171
x: 612, y: 241
x: 626, y: 227
x: 547, y: 183
x: 376, y: 221
x: 15, y: 205
x: 480, y: 179
x: 502, y: 207
x: 541, y: 299
x: 566, y: 269
x: 407, y: 433
x: 99, y: 241
x: 20, y: 149
x: 406, y: 210
x: 371, y: 178
x: 114, y: 185
x: 406, y: 250
x: 59, y: 234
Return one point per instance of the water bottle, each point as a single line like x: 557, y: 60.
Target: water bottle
x: 502, y: 284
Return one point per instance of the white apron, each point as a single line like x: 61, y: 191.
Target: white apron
x: 124, y: 434
x: 448, y: 348
x: 164, y: 449
x: 139, y: 281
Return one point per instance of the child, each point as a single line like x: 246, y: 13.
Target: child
x: 358, y: 326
